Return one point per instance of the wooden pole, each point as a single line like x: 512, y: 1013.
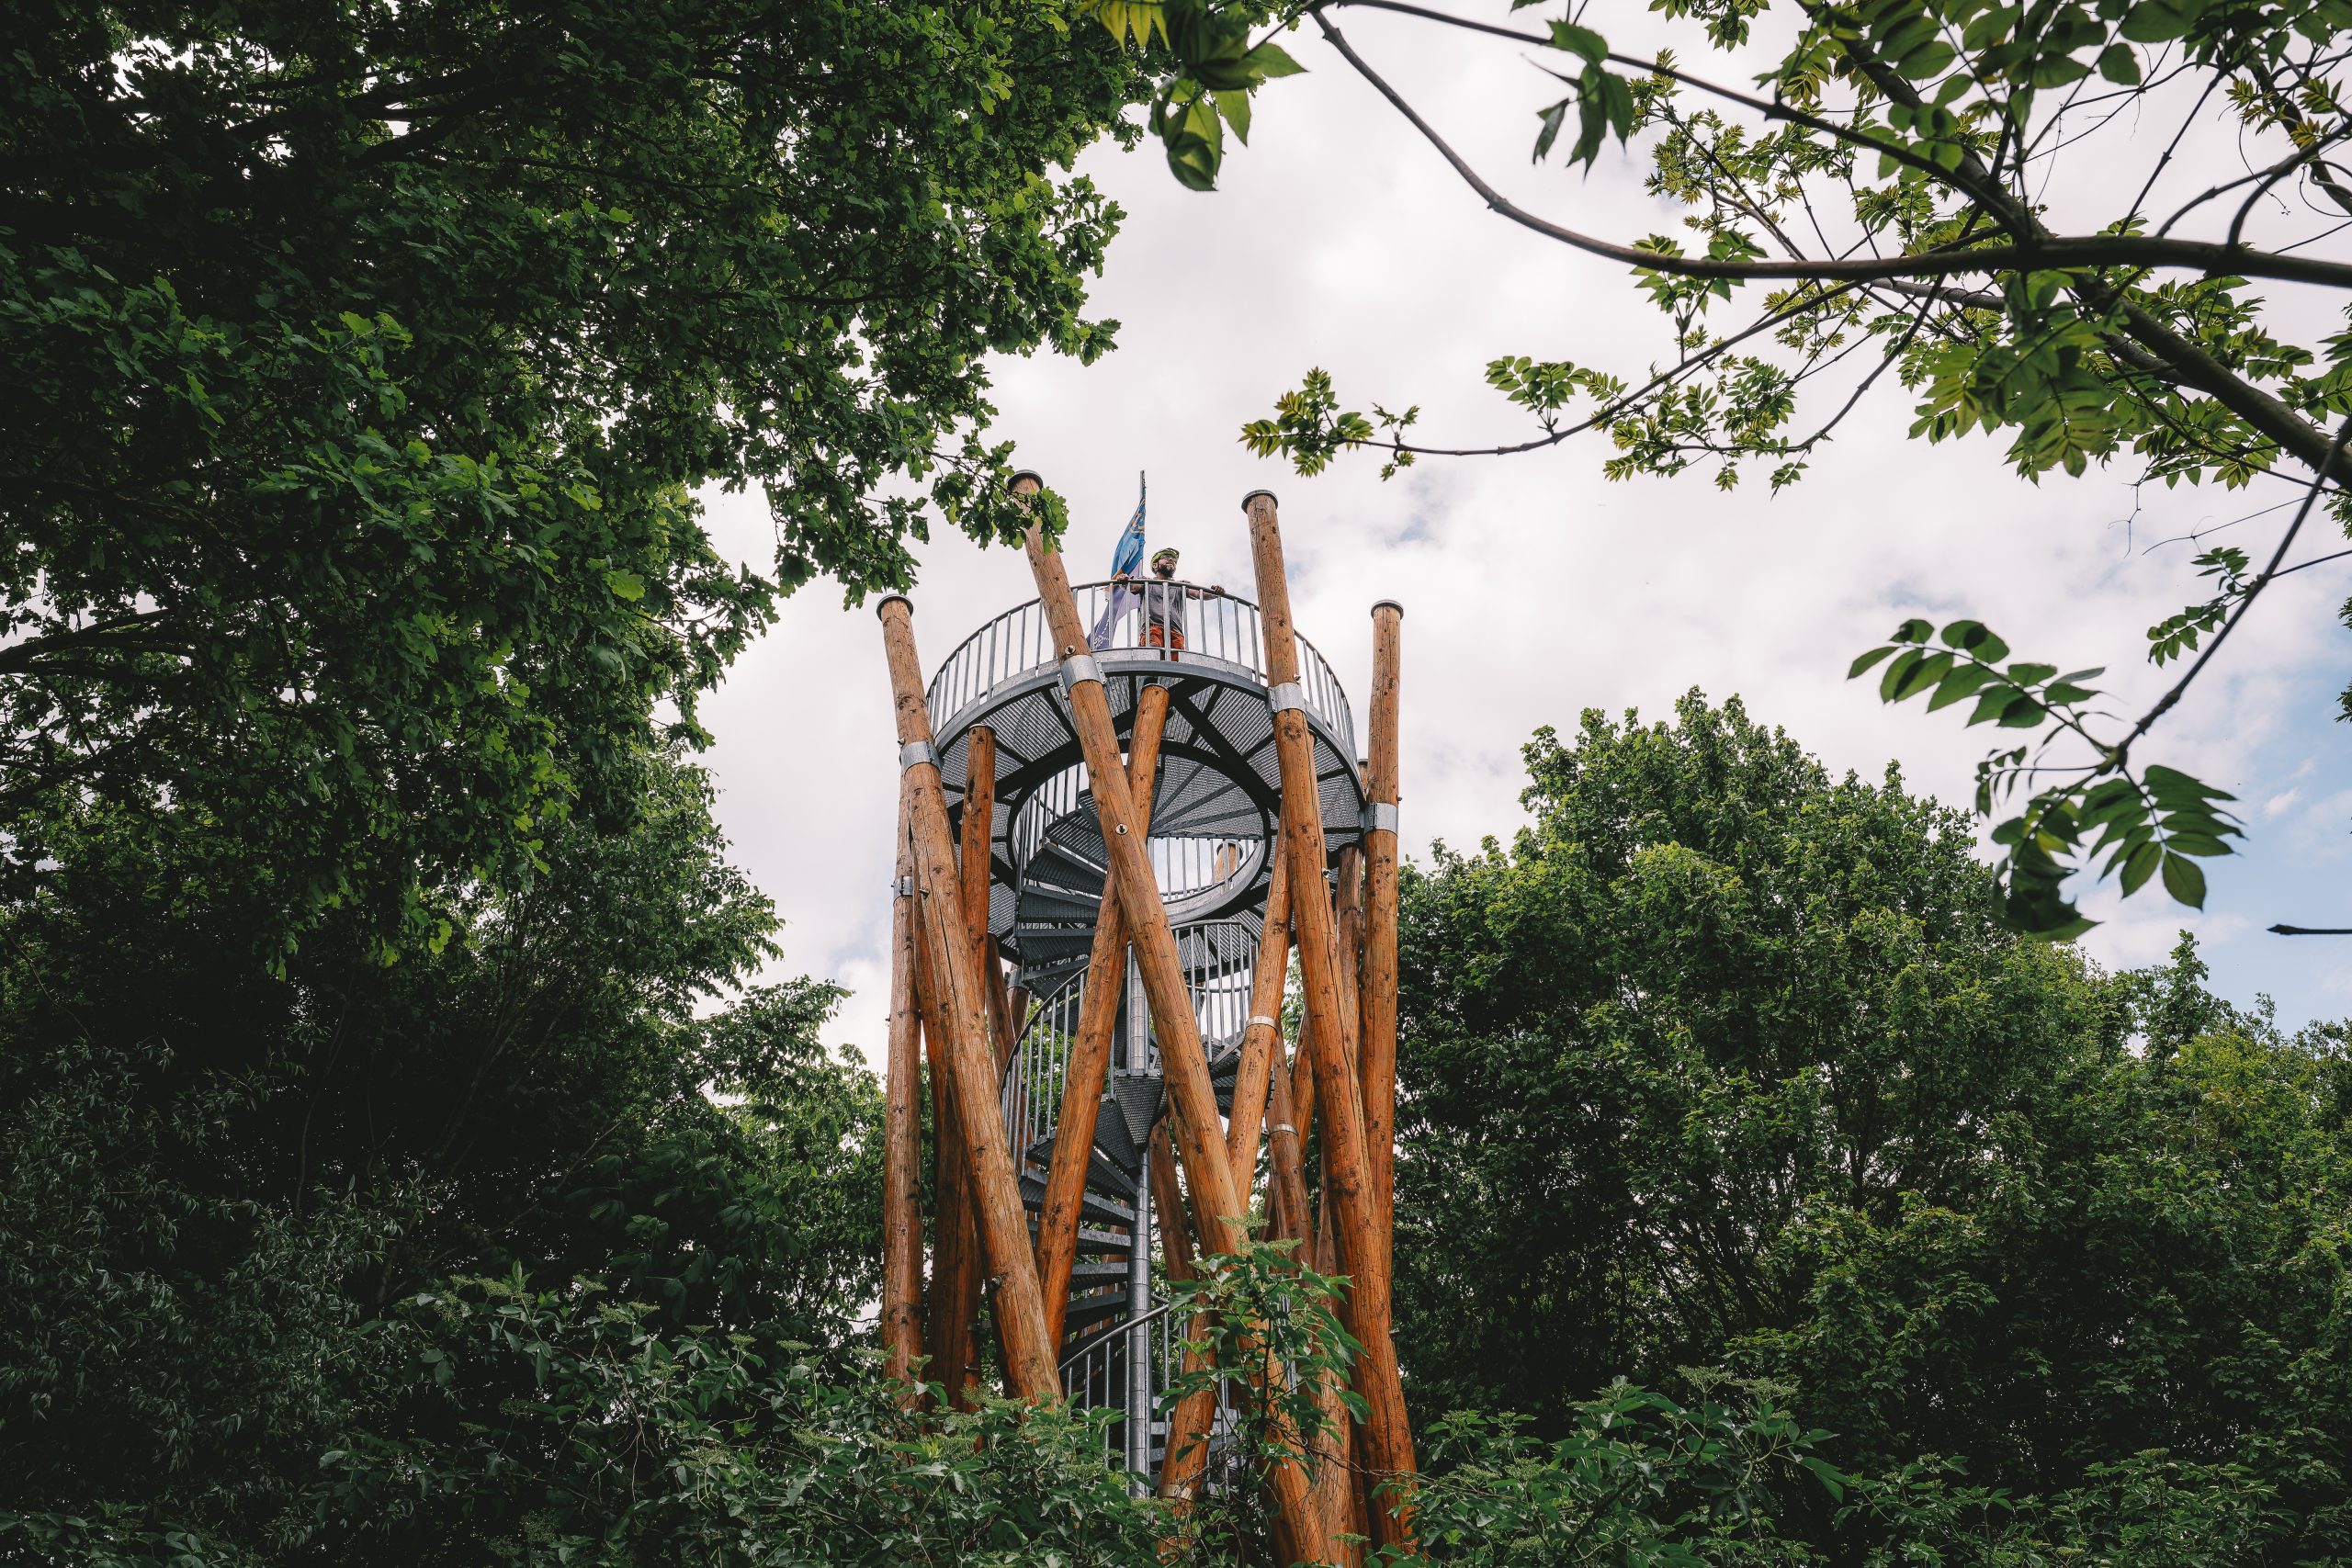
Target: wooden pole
x: 979, y: 817
x: 1286, y: 1157
x: 1199, y: 1129
x: 1376, y: 1047
x: 901, y: 1136
x: 1253, y: 1075
x: 963, y: 1009
x: 1185, y: 1459
x: 1387, y: 1431
x: 1089, y: 1057
x: 956, y: 1246
x: 1347, y: 914
x: 975, y: 873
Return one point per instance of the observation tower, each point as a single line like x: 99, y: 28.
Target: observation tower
x: 1067, y: 752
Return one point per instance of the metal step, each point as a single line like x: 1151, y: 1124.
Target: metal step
x: 1102, y: 1173
x: 1092, y: 1309
x: 1057, y: 866
x: 1110, y: 1211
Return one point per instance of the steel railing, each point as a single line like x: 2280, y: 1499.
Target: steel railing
x: 1097, y: 1375
x: 1217, y: 626
x: 1219, y: 959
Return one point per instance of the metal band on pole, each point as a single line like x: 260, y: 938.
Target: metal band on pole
x: 916, y: 752
x: 1383, y: 817
x: 1079, y: 667
x: 1287, y: 695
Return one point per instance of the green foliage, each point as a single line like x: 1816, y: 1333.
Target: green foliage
x: 2147, y: 824
x: 228, y: 1179
x: 1636, y: 1480
x: 362, y: 363
x: 1257, y: 1307
x: 1217, y: 69
x: 1724, y: 1062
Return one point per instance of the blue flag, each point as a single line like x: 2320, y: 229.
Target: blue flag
x: 1124, y: 559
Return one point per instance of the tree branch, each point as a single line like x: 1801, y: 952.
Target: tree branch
x: 2043, y: 252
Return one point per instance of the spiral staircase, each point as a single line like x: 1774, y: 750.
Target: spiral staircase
x: 1216, y: 806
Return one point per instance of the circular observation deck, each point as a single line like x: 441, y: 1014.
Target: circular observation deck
x: 1220, y: 785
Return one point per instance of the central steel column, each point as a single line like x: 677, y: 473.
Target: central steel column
x: 1138, y: 1399
x: 1139, y: 1412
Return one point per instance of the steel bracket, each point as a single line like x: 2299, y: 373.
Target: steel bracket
x: 915, y: 753
x: 1076, y: 667
x: 1287, y: 696
x: 1383, y: 815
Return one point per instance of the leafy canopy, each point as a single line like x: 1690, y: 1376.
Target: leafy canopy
x: 362, y: 364
x: 1726, y: 1063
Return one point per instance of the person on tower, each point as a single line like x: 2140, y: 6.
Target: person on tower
x: 1163, y: 603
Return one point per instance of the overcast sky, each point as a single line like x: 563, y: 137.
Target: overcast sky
x: 1532, y: 588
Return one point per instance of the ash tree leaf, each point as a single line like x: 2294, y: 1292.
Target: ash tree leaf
x: 1862, y: 665
x: 2185, y: 880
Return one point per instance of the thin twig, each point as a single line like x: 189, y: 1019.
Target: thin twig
x: 2254, y: 590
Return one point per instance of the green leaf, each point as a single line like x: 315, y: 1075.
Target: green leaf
x: 1976, y: 637
x: 1912, y: 630
x: 2156, y: 22
x: 1964, y: 682
x: 1922, y: 674
x: 1928, y: 62
x: 2204, y: 844
x: 1994, y: 701
x: 1550, y: 133
x: 2141, y: 864
x: 1580, y: 40
x: 1271, y: 62
x: 2023, y: 713
x: 2032, y: 674
x: 625, y: 586
x: 1235, y: 107
x: 1893, y: 684
x: 2117, y: 64
x: 2185, y: 880
x: 1861, y: 665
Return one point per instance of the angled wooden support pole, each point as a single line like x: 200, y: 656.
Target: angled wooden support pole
x: 1185, y: 1460
x: 901, y: 1135
x: 1347, y: 918
x: 975, y: 872
x: 955, y: 1245
x: 1388, y: 1445
x: 1376, y: 1040
x: 963, y: 1010
x: 1089, y: 1057
x: 1261, y: 1036
x: 1199, y: 1129
x: 1285, y: 1156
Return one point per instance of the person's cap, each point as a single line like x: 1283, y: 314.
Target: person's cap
x: 1158, y: 555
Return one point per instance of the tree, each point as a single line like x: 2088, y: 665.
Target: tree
x: 360, y: 364
x: 1881, y: 182
x: 227, y: 1188
x: 1724, y: 1062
